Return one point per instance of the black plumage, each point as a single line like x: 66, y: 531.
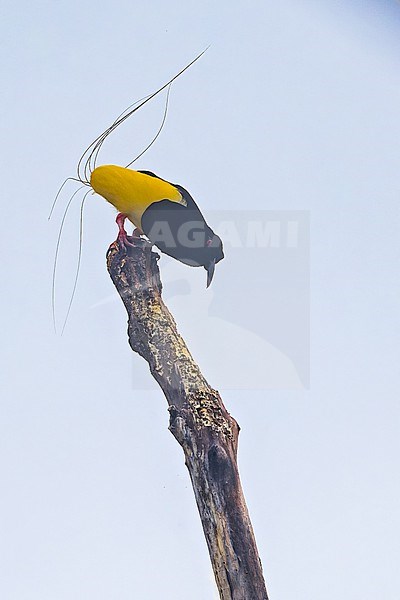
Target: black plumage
x: 182, y: 232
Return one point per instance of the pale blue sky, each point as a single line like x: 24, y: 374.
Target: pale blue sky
x: 294, y: 107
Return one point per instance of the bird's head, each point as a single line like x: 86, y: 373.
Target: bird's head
x: 214, y: 253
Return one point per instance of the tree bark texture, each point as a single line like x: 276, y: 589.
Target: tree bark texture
x: 198, y: 420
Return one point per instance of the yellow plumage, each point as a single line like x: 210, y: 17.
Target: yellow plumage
x: 132, y: 192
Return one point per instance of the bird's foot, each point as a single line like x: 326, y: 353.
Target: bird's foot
x: 123, y: 237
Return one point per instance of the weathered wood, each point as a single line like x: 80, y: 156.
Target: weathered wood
x: 198, y: 420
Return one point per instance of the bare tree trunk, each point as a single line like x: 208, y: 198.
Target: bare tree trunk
x: 198, y: 420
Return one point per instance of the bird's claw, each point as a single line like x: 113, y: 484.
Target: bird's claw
x: 123, y: 237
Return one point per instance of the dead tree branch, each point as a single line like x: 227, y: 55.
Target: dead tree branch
x: 198, y: 420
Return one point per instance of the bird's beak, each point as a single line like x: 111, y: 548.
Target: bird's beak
x: 210, y: 272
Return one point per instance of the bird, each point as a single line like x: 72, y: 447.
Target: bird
x: 163, y: 211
